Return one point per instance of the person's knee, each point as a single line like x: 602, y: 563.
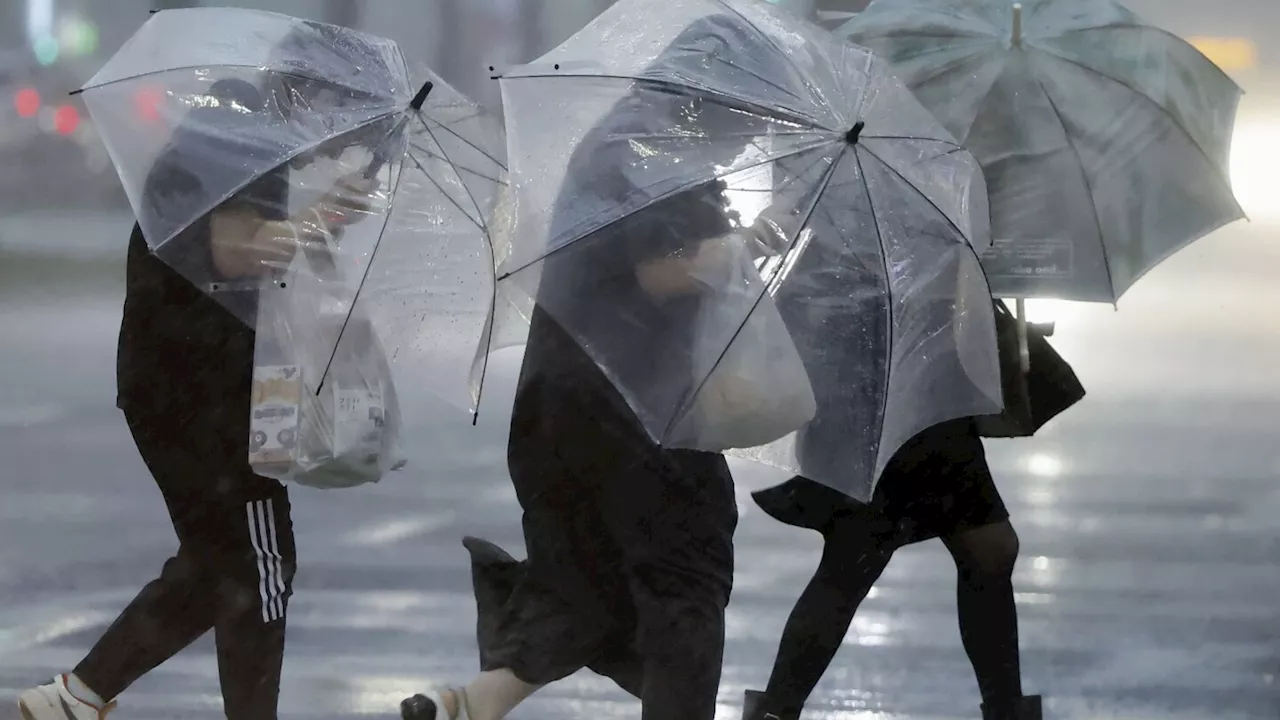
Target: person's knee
x: 990, y: 552
x: 1004, y: 554
x: 254, y: 582
x: 853, y: 544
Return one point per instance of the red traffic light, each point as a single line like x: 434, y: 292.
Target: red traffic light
x: 27, y: 102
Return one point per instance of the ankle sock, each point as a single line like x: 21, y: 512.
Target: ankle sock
x: 82, y: 692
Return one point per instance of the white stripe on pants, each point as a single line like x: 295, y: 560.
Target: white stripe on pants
x: 262, y: 535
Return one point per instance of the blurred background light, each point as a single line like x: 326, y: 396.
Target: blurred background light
x: 26, y: 102
x: 66, y: 119
x: 1228, y: 53
x: 1255, y: 155
x: 77, y: 36
x: 146, y: 103
x: 40, y: 14
x: 46, y: 49
x: 1044, y: 465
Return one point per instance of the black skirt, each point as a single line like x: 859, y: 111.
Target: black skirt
x: 938, y: 484
x: 614, y: 525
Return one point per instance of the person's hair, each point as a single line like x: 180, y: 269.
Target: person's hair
x: 238, y: 92
x: 174, y: 186
x: 170, y: 180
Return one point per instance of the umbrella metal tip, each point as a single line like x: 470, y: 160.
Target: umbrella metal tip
x: 854, y: 133
x: 421, y: 97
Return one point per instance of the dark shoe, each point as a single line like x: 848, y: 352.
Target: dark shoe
x: 431, y: 706
x: 420, y: 707
x: 1026, y: 708
x: 753, y: 708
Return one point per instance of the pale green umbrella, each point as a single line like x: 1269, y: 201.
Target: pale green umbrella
x: 1104, y: 139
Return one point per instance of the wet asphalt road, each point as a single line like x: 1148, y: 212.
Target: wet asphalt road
x: 1149, y: 584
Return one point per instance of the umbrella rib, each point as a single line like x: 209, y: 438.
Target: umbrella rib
x: 1088, y: 186
x: 792, y: 181
x: 869, y: 64
x: 373, y: 254
x: 484, y: 369
x: 180, y: 68
x: 767, y: 37
x: 854, y: 37
x: 484, y: 227
x: 888, y: 289
x: 953, y: 144
x: 458, y: 166
x: 917, y: 191
x: 1150, y: 28
x: 640, y: 136
x: 421, y: 168
x: 473, y: 146
x: 759, y: 77
x: 956, y: 65
x: 817, y: 197
x: 698, y: 91
x: 493, y: 259
x: 682, y: 188
x: 1176, y: 122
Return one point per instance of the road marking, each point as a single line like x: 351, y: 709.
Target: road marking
x: 389, y: 532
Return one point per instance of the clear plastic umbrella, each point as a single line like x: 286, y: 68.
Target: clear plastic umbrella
x: 665, y: 142
x: 1104, y: 140
x: 206, y: 107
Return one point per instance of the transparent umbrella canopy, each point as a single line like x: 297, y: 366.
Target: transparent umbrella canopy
x: 652, y: 136
x: 1104, y: 139
x: 267, y: 112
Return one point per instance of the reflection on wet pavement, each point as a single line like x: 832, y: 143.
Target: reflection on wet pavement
x: 1150, y: 566
x: 1146, y: 587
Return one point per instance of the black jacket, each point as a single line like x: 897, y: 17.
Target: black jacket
x: 184, y: 359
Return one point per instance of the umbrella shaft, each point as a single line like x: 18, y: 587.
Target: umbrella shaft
x: 1024, y: 352
x: 1017, y: 25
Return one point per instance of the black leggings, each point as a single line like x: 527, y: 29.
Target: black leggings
x: 853, y: 558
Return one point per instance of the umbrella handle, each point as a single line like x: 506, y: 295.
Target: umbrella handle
x: 1017, y: 25
x: 1024, y: 351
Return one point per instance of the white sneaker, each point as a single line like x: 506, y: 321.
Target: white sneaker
x: 55, y: 702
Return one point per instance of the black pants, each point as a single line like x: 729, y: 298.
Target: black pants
x: 233, y: 573
x: 630, y: 555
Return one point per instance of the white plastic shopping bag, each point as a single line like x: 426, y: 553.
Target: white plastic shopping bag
x: 757, y: 389
x: 340, y: 433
